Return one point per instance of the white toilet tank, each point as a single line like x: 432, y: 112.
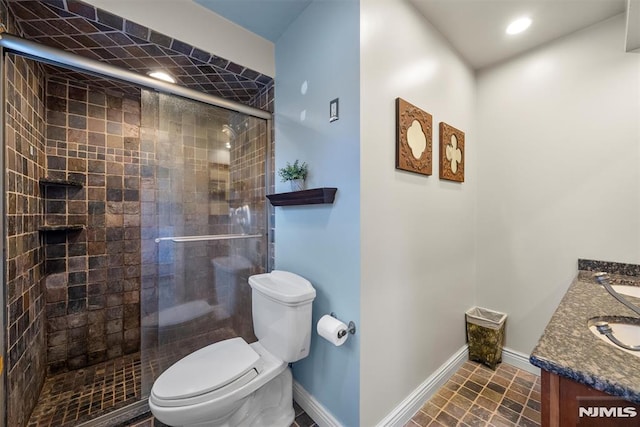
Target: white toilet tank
x: 281, y: 308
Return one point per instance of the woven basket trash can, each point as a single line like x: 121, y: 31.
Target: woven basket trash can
x: 485, y: 335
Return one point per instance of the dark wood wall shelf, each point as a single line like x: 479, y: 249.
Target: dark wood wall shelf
x: 61, y: 182
x: 314, y: 196
x: 61, y: 228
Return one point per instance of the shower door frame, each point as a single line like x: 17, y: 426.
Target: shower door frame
x: 3, y: 317
x: 11, y: 44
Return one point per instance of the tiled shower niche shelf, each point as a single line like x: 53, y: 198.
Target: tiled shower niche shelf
x: 60, y: 228
x: 64, y: 228
x: 314, y: 196
x: 59, y: 182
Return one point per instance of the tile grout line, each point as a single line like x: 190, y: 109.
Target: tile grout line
x: 453, y: 403
x: 467, y: 378
x: 511, y: 382
x: 536, y: 382
x: 474, y: 402
x: 507, y: 377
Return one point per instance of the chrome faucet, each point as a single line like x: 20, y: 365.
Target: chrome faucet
x: 605, y: 329
x: 603, y: 279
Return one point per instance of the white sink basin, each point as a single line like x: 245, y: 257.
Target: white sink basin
x: 632, y: 291
x: 628, y: 333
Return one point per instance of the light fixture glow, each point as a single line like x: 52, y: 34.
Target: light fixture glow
x: 519, y: 25
x: 161, y: 75
x: 228, y: 145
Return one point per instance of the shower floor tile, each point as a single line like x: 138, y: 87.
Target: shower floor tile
x: 71, y: 398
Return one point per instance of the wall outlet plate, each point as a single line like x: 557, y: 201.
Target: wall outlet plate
x: 333, y: 110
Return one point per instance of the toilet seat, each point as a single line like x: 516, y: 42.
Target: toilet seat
x: 209, y: 373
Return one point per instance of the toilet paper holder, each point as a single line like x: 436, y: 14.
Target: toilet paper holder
x: 351, y: 327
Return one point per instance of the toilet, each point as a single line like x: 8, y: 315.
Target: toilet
x: 235, y: 384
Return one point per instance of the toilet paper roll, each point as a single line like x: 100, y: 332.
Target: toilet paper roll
x: 331, y: 329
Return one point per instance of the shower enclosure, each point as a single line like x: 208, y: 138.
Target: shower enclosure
x: 134, y: 213
x: 207, y: 226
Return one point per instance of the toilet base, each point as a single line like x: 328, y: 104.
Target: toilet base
x: 269, y: 406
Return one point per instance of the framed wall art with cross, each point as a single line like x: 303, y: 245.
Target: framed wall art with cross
x: 451, y: 153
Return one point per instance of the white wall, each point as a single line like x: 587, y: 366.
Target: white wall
x: 322, y: 242
x: 417, y: 232
x: 559, y: 172
x: 191, y: 23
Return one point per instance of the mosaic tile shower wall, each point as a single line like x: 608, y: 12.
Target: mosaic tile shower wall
x: 83, y: 29
x: 93, y: 281
x: 24, y: 151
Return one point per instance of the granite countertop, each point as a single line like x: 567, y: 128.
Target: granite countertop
x: 567, y: 346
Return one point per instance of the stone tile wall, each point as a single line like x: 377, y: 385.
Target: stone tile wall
x: 247, y: 172
x: 193, y: 189
x: 81, y: 28
x: 264, y: 100
x: 25, y: 159
x: 148, y: 233
x: 25, y: 363
x: 93, y: 282
x: 188, y: 189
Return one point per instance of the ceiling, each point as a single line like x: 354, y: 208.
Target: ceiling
x: 476, y: 28
x: 267, y: 18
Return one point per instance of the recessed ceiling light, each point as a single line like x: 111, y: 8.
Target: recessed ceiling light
x: 161, y: 75
x: 519, y: 25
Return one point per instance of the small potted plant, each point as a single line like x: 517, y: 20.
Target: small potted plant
x: 295, y: 173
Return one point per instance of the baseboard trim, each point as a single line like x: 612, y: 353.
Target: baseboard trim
x: 519, y: 360
x: 412, y: 403
x: 313, y: 408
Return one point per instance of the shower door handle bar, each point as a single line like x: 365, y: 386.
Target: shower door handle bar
x: 185, y: 239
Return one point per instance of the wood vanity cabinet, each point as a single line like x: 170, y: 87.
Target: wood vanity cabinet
x: 560, y: 404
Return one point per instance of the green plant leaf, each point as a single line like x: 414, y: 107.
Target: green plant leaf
x: 293, y: 171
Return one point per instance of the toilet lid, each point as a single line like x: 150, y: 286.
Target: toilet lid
x: 207, y: 369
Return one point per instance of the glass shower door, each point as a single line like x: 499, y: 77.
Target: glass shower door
x: 204, y: 226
